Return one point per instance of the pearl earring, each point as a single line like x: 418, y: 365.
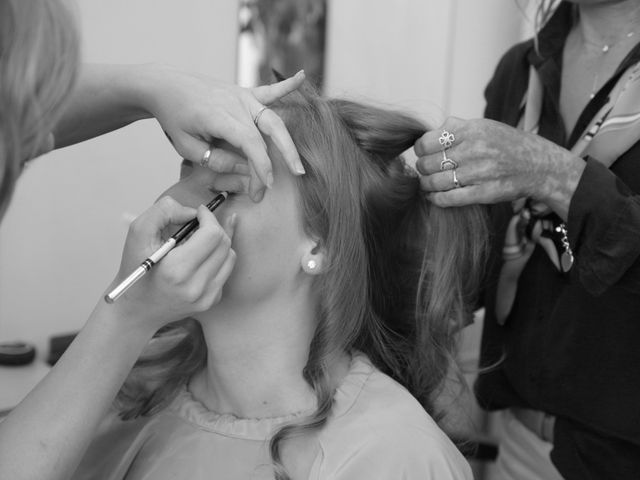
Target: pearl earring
x: 312, y: 264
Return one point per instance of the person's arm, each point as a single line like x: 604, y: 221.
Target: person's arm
x: 500, y: 163
x: 604, y: 229
x: 193, y: 110
x: 105, y: 98
x: 46, y: 435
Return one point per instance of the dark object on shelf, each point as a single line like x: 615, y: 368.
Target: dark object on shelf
x: 57, y: 346
x: 16, y: 353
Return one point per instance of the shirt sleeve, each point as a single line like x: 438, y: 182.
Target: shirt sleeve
x: 604, y: 230
x: 413, y: 456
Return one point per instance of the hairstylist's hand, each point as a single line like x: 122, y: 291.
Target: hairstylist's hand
x: 189, y: 279
x: 194, y: 111
x: 495, y: 162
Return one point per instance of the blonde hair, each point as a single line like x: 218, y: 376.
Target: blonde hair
x: 39, y: 58
x: 401, y: 274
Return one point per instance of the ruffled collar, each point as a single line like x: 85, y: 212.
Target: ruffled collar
x: 187, y: 407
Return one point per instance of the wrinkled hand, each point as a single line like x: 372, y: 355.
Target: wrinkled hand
x: 189, y: 279
x: 496, y: 163
x: 195, y: 110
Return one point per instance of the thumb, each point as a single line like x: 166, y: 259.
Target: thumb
x: 163, y: 213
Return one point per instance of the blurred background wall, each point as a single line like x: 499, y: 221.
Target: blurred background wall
x: 61, y: 240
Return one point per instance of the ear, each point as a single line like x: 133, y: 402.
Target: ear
x: 312, y: 261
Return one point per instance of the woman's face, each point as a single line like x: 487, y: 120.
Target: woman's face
x: 269, y: 238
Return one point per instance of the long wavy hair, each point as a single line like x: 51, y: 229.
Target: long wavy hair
x: 39, y: 58
x: 401, y: 274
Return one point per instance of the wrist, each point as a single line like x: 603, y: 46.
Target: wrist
x: 146, y: 86
x: 561, y: 182
x: 120, y: 325
x: 137, y: 84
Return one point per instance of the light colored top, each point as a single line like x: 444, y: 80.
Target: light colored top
x: 377, y: 431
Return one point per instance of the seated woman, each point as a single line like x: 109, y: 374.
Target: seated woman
x: 335, y: 329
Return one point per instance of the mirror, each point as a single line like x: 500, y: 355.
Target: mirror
x: 283, y: 35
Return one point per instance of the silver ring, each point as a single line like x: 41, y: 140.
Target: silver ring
x: 447, y: 139
x: 205, y: 158
x: 257, y: 116
x: 447, y: 163
x: 456, y: 183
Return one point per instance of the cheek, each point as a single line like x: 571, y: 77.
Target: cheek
x: 183, y: 195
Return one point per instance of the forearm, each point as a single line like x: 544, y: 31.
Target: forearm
x: 560, y: 182
x: 106, y: 98
x: 604, y: 228
x: 47, y: 434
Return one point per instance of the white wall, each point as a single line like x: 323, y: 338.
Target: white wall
x: 61, y: 240
x: 434, y: 57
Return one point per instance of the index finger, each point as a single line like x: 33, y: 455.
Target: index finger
x: 428, y: 143
x: 446, y: 136
x: 272, y: 126
x: 249, y: 142
x: 267, y: 94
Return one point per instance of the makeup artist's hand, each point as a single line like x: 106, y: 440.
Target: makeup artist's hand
x: 194, y: 111
x: 189, y: 279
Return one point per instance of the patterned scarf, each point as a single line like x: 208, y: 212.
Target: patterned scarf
x: 611, y: 132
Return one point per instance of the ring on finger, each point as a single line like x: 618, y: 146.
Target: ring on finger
x: 446, y: 139
x: 456, y: 182
x: 204, y: 162
x: 257, y: 116
x: 447, y: 163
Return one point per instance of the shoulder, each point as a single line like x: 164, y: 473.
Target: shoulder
x: 515, y: 56
x: 506, y: 88
x: 385, y: 433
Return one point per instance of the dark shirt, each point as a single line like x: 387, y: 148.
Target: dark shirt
x: 571, y: 345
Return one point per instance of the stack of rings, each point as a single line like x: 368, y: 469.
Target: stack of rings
x: 446, y: 141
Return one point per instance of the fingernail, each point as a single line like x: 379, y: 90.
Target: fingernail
x: 300, y: 169
x: 269, y: 179
x: 300, y: 73
x: 257, y: 196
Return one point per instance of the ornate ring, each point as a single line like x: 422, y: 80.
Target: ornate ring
x: 447, y: 163
x: 205, y: 158
x: 456, y: 183
x: 446, y: 139
x: 260, y: 112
